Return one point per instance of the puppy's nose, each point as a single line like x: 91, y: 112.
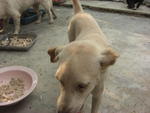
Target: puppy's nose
x: 64, y: 111
x: 59, y: 111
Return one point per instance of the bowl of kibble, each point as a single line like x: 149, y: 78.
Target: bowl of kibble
x: 17, y: 42
x: 16, y: 83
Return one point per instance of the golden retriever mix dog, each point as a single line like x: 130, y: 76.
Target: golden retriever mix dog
x: 82, y: 63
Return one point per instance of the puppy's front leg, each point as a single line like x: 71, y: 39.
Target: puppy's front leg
x: 82, y: 109
x: 96, y: 98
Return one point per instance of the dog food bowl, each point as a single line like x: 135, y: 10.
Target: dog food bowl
x: 9, y: 47
x: 27, y: 76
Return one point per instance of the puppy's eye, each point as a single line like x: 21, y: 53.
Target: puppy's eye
x: 81, y: 87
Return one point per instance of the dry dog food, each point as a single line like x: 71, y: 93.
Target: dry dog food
x: 11, y: 91
x: 17, y: 42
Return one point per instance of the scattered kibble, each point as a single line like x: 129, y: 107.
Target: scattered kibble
x: 11, y: 91
x: 17, y: 42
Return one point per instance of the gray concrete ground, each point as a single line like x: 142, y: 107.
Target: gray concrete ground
x: 115, y: 7
x: 127, y: 88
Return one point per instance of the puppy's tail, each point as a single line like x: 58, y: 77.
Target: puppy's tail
x: 77, y: 6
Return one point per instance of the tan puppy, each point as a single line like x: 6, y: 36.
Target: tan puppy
x: 14, y: 9
x: 82, y: 63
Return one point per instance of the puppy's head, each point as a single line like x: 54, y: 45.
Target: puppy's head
x: 79, y: 72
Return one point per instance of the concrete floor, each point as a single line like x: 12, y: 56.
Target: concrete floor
x: 127, y: 89
x: 110, y: 6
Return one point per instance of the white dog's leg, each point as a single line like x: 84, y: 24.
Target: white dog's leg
x: 5, y: 24
x: 96, y: 98
x: 16, y: 17
x: 47, y: 5
x: 54, y: 15
x: 36, y: 8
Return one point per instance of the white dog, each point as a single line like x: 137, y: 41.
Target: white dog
x: 14, y: 9
x: 82, y: 63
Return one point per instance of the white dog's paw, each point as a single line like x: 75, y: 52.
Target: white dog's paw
x: 16, y: 32
x: 38, y: 22
x: 51, y: 21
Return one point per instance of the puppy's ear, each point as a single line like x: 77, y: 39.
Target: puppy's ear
x: 53, y: 53
x: 109, y: 57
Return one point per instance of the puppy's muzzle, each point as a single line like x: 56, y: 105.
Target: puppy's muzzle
x: 64, y: 110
